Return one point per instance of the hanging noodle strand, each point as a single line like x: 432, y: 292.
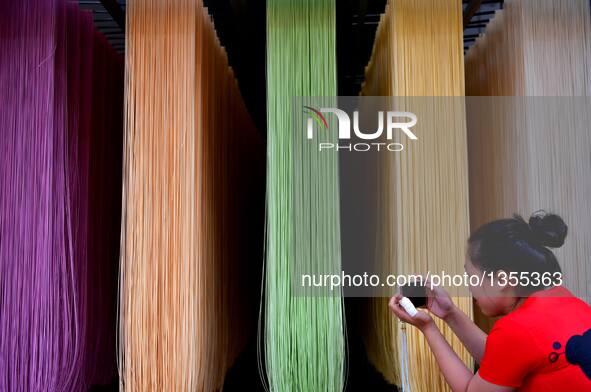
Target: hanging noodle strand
x: 532, y: 153
x: 418, y: 52
x: 191, y: 154
x: 304, y: 343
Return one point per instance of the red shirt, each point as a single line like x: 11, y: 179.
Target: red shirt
x: 527, y: 349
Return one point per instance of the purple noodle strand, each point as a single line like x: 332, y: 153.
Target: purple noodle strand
x: 59, y: 198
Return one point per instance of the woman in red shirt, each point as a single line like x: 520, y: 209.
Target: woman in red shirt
x: 543, y: 342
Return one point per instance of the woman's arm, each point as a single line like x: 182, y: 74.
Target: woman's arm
x: 440, y: 304
x: 473, y: 338
x: 455, y: 372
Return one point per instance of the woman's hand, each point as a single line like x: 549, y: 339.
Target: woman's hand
x: 421, y: 320
x: 439, y: 302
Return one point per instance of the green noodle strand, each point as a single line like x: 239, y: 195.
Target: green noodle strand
x: 304, y: 336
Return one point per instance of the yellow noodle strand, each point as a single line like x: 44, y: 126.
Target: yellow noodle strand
x: 424, y: 189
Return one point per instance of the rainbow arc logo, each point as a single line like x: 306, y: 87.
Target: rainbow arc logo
x: 317, y: 116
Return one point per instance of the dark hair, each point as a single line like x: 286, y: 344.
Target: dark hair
x: 513, y: 245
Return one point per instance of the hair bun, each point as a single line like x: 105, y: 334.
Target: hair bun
x: 548, y: 229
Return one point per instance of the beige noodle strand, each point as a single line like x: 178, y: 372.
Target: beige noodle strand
x: 527, y: 154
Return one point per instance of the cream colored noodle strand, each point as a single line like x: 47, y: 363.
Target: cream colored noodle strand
x: 534, y: 154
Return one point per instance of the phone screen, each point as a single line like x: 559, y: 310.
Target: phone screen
x: 417, y: 293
